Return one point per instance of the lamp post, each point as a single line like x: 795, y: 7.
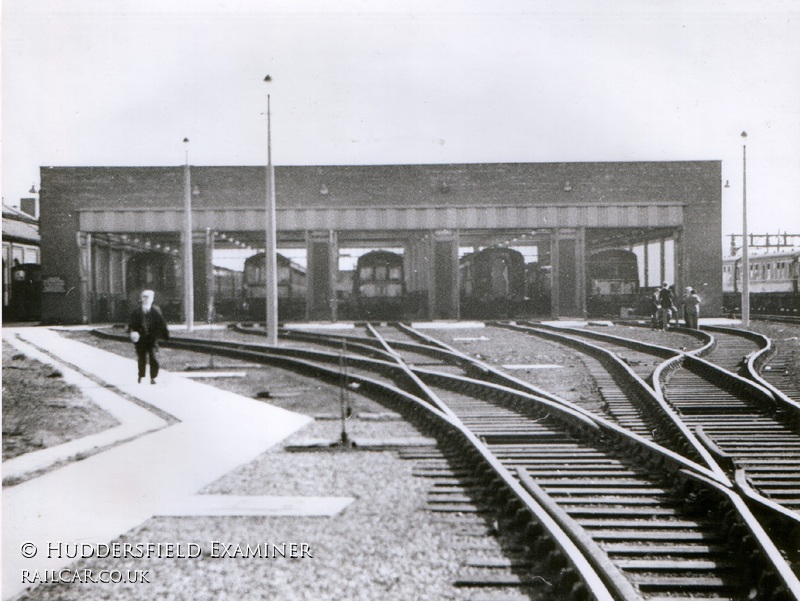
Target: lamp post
x: 745, y: 256
x: 270, y: 258
x: 188, y: 260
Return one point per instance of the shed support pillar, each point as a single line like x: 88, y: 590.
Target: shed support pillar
x: 85, y: 266
x: 678, y: 250
x: 555, y: 289
x: 322, y: 251
x: 580, y: 271
x: 416, y: 276
x: 567, y: 260
x: 210, y: 284
x: 199, y: 286
x: 443, y: 291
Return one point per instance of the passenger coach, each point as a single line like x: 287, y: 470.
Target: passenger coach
x: 773, y: 283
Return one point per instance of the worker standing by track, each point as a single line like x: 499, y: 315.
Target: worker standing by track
x: 691, y: 308
x: 146, y: 327
x: 666, y: 303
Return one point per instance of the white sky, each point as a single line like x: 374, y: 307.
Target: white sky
x: 122, y: 82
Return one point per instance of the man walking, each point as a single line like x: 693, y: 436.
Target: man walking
x: 146, y: 327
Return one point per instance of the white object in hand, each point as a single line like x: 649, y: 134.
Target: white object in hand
x: 134, y: 337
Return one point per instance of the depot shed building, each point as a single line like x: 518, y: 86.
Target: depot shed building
x: 94, y: 219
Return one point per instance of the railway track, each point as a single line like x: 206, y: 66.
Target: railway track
x: 602, y: 494
x: 743, y: 424
x: 629, y: 398
x: 770, y: 368
x: 603, y: 513
x: 671, y: 415
x: 751, y: 433
x: 732, y: 348
x: 793, y: 319
x: 636, y: 516
x: 675, y: 417
x: 776, y: 374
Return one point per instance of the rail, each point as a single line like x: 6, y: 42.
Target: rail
x: 754, y: 363
x: 585, y: 577
x: 664, y: 415
x: 580, y: 581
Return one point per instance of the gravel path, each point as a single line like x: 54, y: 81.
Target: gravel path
x: 384, y: 545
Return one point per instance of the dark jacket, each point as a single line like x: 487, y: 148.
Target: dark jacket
x: 151, y: 327
x: 665, y: 298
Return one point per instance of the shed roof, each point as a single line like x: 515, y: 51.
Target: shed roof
x: 508, y: 184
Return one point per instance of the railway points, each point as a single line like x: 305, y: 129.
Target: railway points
x: 508, y: 432
x: 661, y: 351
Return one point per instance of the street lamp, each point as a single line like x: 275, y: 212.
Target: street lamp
x: 745, y: 256
x: 270, y: 253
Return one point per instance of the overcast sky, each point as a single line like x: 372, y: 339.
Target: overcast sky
x: 118, y: 82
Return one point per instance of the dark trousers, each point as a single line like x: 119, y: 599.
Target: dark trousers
x: 148, y: 353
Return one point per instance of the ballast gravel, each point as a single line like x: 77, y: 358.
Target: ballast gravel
x: 385, y: 545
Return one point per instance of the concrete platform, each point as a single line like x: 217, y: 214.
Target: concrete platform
x: 448, y: 325
x: 320, y: 325
x: 361, y: 444
x: 719, y: 321
x: 155, y: 473
x: 210, y: 375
